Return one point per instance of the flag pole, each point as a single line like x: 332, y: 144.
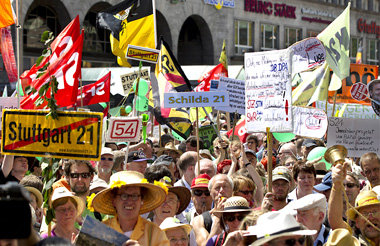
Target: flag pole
x: 218, y: 120
x: 197, y: 135
x: 333, y: 109
x: 18, y: 27
x: 269, y: 163
x: 81, y: 92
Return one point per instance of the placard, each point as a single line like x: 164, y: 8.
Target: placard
x: 308, y: 54
x: 207, y: 134
x: 75, y: 135
x: 142, y: 54
x: 309, y: 122
x: 355, y: 111
x: 195, y: 99
x: 8, y: 103
x: 236, y: 94
x: 359, y: 91
x: 268, y: 91
x: 128, y: 79
x: 124, y: 129
x: 357, y: 135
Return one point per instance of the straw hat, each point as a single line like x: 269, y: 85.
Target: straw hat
x: 276, y: 224
x: 154, y: 195
x: 62, y: 192
x: 174, y: 223
x: 183, y: 193
x: 168, y: 146
x: 37, y: 194
x: 234, y: 204
x: 341, y: 237
x: 364, y: 199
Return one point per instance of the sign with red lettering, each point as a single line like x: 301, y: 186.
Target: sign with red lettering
x: 359, y: 91
x: 124, y: 129
x: 265, y: 7
x: 370, y: 28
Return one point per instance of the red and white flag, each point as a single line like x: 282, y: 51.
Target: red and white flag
x: 8, y: 54
x: 95, y: 93
x: 240, y: 131
x: 67, y: 70
x: 214, y: 74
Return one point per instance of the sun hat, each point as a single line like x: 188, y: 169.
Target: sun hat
x: 205, y: 152
x: 234, y: 204
x: 201, y: 181
x: 137, y: 156
x: 174, y: 223
x: 276, y: 224
x: 36, y: 193
x: 163, y: 160
x: 326, y: 183
x: 281, y: 172
x: 315, y: 200
x: 106, y: 151
x: 341, y: 237
x: 183, y: 193
x: 98, y: 183
x: 364, y: 199
x: 309, y: 143
x: 154, y: 195
x: 168, y: 146
x: 62, y: 192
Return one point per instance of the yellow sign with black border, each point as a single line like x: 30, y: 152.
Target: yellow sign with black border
x: 74, y: 135
x: 142, y: 54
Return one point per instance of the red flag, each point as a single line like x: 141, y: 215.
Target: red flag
x: 67, y: 70
x: 61, y: 44
x: 215, y: 73
x: 240, y: 131
x: 95, y: 93
x: 8, y: 54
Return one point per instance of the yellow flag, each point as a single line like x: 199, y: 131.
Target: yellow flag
x: 223, y: 56
x: 336, y: 39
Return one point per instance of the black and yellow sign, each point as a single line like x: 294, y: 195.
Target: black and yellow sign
x: 75, y: 135
x: 142, y: 54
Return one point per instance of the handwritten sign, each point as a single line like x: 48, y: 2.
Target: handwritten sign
x: 128, y: 79
x: 207, y: 134
x: 8, y: 103
x: 357, y: 135
x: 308, y: 54
x: 268, y: 91
x: 309, y: 122
x: 236, y: 94
x: 124, y: 129
x: 195, y: 99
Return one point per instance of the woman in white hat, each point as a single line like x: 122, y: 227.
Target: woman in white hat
x: 67, y: 208
x: 128, y: 196
x: 177, y: 232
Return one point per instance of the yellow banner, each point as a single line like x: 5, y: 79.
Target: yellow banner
x: 75, y: 135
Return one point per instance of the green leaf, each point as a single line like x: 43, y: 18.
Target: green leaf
x: 39, y: 60
x: 49, y: 215
x: 44, y: 36
x: 46, y: 52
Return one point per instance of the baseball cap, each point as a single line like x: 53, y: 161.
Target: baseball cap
x: 250, y: 151
x: 106, y: 151
x: 326, y: 183
x: 309, y: 143
x: 201, y: 181
x: 137, y: 156
x: 315, y: 200
x: 281, y: 173
x: 163, y: 160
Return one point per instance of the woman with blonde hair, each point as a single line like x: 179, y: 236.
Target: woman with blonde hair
x: 244, y: 187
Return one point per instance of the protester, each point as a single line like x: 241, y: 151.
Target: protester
x: 325, y: 186
x: 137, y: 161
x: 13, y: 168
x: 252, y: 143
x: 200, y: 196
x: 287, y: 149
x: 206, y: 166
x: 224, y: 166
x: 118, y: 161
x: 244, y: 187
x: 177, y: 232
x: 307, y: 146
x: 205, y: 154
x: 171, y: 151
x: 304, y: 176
x: 370, y: 164
x: 105, y: 165
x: 186, y: 164
x: 167, y: 161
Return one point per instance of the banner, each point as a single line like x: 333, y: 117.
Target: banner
x: 7, y: 16
x: 95, y: 93
x: 8, y: 54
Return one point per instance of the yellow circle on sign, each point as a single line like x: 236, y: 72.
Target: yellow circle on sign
x: 219, y: 5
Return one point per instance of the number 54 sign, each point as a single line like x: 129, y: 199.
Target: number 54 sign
x: 124, y: 129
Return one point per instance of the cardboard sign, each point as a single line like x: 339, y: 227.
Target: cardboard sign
x: 207, y: 134
x: 236, y: 94
x: 357, y: 135
x: 8, y: 103
x: 353, y: 111
x: 75, y: 135
x: 124, y: 129
x: 142, y: 54
x: 308, y: 54
x: 128, y: 79
x: 195, y: 99
x: 359, y: 91
x: 358, y: 73
x: 309, y: 122
x: 268, y: 91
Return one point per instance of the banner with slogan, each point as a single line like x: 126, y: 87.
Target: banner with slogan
x: 75, y: 135
x: 309, y: 122
x: 207, y: 134
x: 358, y: 73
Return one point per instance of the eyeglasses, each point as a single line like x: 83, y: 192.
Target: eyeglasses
x: 200, y: 192
x: 179, y: 240
x: 246, y: 192
x: 233, y: 218
x: 350, y: 185
x: 293, y: 241
x: 83, y: 175
x: 125, y: 196
x: 106, y: 159
x: 64, y: 210
x: 373, y: 213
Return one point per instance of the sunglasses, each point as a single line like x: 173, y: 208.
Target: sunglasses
x: 350, y: 185
x: 292, y: 241
x: 200, y: 192
x: 83, y: 175
x: 233, y: 218
x: 246, y: 192
x: 106, y: 159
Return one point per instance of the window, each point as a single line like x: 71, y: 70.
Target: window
x: 243, y: 37
x: 269, y: 37
x: 97, y: 39
x: 292, y: 35
x: 372, y: 52
x: 312, y: 34
x: 355, y: 43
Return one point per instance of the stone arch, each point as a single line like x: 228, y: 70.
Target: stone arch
x: 163, y: 29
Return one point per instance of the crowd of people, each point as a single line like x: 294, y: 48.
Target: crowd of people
x: 163, y: 192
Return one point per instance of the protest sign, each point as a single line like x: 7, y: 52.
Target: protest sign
x: 308, y: 54
x: 268, y: 91
x: 195, y: 99
x: 357, y: 135
x: 359, y: 91
x: 8, y: 103
x: 128, y: 79
x: 353, y: 111
x: 236, y: 93
x: 75, y: 135
x: 142, y: 54
x: 358, y: 73
x: 207, y: 134
x: 309, y: 122
x: 124, y: 129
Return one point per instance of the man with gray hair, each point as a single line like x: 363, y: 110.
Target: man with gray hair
x: 207, y: 167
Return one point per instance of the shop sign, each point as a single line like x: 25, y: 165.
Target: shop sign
x: 269, y: 8
x: 370, y: 28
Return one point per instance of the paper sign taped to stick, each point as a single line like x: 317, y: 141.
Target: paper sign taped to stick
x: 8, y: 103
x: 128, y: 79
x: 124, y: 129
x: 309, y: 122
x: 142, y: 54
x: 195, y: 99
x: 359, y: 136
x: 236, y: 93
x: 268, y: 91
x: 308, y: 54
x: 75, y: 135
x: 207, y: 134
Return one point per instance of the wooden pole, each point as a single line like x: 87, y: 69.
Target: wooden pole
x: 269, y: 165
x: 218, y: 120
x: 159, y: 135
x: 197, y: 135
x: 333, y: 109
x: 228, y: 121
x: 233, y: 127
x: 152, y: 121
